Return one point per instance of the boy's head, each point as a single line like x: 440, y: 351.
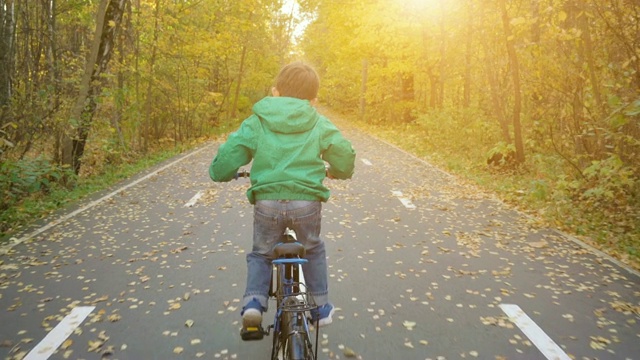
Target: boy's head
x: 297, y: 80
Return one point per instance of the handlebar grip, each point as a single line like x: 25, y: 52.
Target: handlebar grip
x: 242, y: 174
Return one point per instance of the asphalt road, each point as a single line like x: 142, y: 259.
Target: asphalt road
x: 422, y: 266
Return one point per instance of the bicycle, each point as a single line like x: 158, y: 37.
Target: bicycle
x: 291, y: 326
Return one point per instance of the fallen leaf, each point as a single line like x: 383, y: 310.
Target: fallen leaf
x: 409, y: 324
x: 65, y: 345
x: 538, y: 244
x: 348, y: 352
x: 179, y: 250
x: 94, y: 345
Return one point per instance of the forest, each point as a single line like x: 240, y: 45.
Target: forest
x: 537, y: 100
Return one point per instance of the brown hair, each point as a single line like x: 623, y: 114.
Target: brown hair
x: 298, y: 80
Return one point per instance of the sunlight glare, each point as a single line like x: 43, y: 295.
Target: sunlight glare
x: 421, y: 5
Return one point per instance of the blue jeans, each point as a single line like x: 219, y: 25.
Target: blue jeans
x: 270, y: 219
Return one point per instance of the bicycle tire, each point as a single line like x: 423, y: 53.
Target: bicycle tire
x: 296, y: 348
x: 280, y: 338
x: 299, y: 344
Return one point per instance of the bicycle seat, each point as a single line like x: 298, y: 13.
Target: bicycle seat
x: 289, y: 249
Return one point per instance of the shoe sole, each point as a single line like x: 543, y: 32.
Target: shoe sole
x: 251, y: 318
x: 328, y: 320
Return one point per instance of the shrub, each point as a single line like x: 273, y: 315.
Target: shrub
x: 23, y: 178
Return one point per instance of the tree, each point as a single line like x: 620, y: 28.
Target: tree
x: 515, y: 76
x: 7, y: 30
x: 109, y: 17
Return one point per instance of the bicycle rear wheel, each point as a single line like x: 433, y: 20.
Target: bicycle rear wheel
x: 296, y: 348
x: 299, y: 346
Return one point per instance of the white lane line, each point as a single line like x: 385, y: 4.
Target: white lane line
x: 60, y: 333
x: 194, y: 199
x: 406, y: 202
x: 537, y: 336
x: 13, y: 241
x: 367, y: 162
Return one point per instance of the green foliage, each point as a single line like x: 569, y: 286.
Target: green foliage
x: 502, y: 149
x: 451, y: 129
x: 608, y: 181
x: 24, y: 179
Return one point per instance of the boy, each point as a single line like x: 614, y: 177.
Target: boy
x: 289, y: 143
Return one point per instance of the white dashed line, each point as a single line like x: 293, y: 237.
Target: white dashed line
x: 60, y: 333
x: 194, y: 199
x: 406, y: 202
x: 367, y: 162
x: 537, y: 336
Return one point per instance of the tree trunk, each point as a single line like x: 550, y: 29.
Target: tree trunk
x: 498, y: 104
x: 515, y: 77
x: 585, y: 29
x: 108, y: 20
x: 146, y: 128
x: 466, y: 101
x: 7, y: 26
x: 442, y: 64
x: 494, y: 87
x: 363, y: 89
x: 237, y: 95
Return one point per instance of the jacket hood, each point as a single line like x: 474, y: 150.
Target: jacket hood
x: 286, y: 115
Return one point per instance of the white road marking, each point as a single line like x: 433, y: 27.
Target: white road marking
x: 194, y: 199
x: 60, y: 333
x: 537, y: 336
x: 406, y: 202
x: 367, y: 162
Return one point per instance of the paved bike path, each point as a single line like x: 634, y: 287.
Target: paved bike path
x: 422, y: 266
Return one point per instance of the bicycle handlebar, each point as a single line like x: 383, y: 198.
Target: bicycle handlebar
x: 242, y: 174
x: 245, y: 174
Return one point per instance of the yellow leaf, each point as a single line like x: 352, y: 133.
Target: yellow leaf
x: 562, y: 16
x: 409, y: 324
x: 65, y: 345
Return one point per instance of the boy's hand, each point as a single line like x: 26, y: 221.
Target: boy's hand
x: 327, y: 174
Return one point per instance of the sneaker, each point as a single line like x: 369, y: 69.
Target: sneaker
x: 252, y: 314
x: 325, y: 313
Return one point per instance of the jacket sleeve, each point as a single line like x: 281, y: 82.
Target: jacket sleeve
x: 338, y: 153
x: 234, y: 153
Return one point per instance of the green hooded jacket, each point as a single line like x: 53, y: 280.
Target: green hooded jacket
x: 289, y: 143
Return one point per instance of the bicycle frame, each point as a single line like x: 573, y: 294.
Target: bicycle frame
x: 291, y: 328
